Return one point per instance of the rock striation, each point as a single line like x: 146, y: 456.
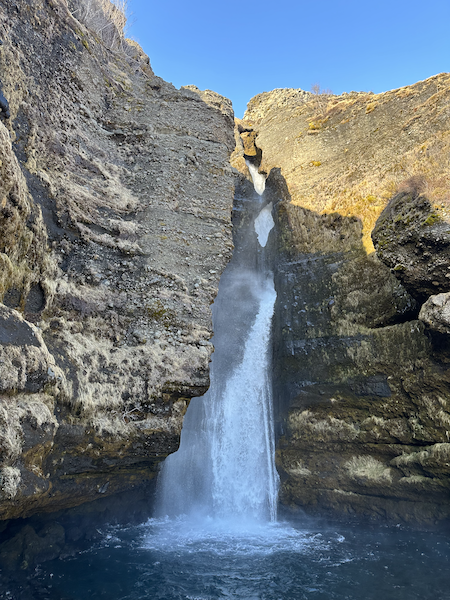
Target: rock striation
x: 115, y: 225
x: 361, y: 387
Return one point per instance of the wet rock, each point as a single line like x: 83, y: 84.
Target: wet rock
x: 28, y: 548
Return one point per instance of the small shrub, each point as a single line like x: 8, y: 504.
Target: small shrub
x: 415, y: 185
x: 156, y: 310
x: 368, y: 469
x: 321, y: 97
x: 432, y: 219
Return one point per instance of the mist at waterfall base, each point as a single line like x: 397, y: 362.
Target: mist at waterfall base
x: 215, y: 533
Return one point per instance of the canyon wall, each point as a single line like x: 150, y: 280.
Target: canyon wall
x: 116, y: 192
x: 361, y: 379
x: 115, y: 225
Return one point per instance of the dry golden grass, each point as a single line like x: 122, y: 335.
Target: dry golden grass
x: 107, y: 18
x: 359, y: 180
x: 368, y: 468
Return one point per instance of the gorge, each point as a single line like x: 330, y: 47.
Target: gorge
x: 123, y: 203
x: 224, y: 468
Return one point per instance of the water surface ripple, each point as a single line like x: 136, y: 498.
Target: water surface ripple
x: 181, y: 560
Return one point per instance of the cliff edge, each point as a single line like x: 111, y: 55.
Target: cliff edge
x: 115, y: 225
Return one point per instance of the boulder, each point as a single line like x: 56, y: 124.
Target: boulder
x: 412, y: 237
x: 435, y: 313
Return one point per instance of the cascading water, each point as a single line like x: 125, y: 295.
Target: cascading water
x: 259, y: 181
x: 224, y: 474
x: 225, y: 466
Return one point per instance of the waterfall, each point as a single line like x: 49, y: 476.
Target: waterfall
x: 259, y: 181
x: 225, y: 466
x: 264, y: 224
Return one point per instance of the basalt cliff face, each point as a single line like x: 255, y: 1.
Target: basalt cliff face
x: 361, y: 378
x: 115, y: 225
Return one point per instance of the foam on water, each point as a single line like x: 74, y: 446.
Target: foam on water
x: 229, y: 538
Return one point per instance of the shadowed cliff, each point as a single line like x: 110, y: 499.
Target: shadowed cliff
x: 362, y: 393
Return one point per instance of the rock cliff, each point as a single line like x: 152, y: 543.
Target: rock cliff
x: 115, y: 225
x: 350, y: 153
x: 362, y: 387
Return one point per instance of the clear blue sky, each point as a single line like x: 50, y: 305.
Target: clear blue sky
x: 240, y: 50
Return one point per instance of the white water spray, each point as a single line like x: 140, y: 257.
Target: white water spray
x: 264, y: 224
x: 225, y: 467
x: 244, y: 477
x: 259, y: 180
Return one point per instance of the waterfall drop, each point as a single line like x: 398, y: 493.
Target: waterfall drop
x: 259, y: 181
x: 264, y: 224
x: 225, y: 468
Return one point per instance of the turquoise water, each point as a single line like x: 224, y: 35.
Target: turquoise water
x: 179, y: 560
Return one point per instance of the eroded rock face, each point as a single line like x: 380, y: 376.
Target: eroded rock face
x: 412, y: 237
x: 115, y: 225
x: 362, y: 393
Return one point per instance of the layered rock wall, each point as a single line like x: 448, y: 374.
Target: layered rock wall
x: 115, y: 225
x: 361, y: 386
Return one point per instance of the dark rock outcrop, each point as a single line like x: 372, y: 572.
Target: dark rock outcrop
x: 351, y: 367
x: 412, y: 237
